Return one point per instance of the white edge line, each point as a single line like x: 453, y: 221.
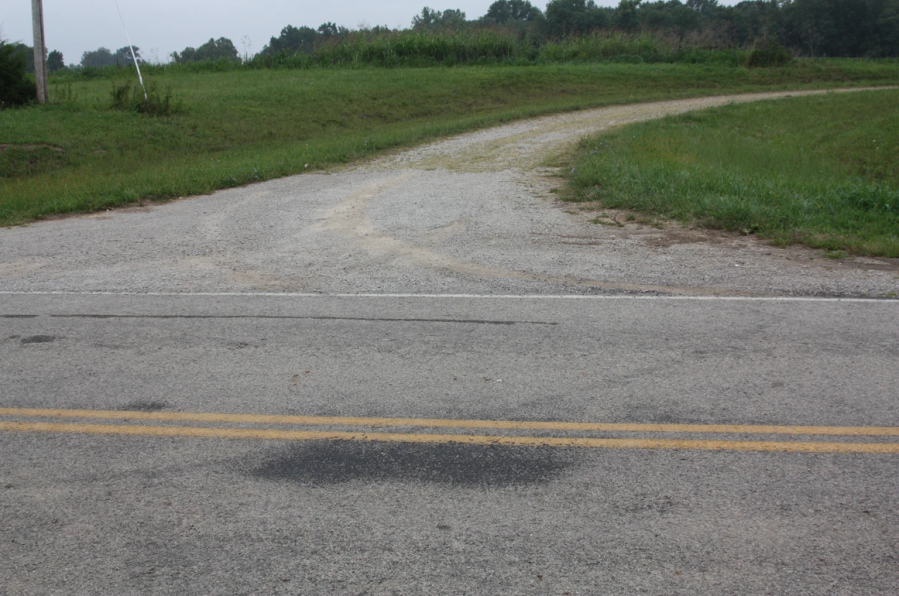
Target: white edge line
x: 465, y: 296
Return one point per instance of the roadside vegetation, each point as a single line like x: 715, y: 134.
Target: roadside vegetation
x: 822, y: 171
x: 219, y: 115
x: 516, y: 32
x: 15, y: 86
x: 92, y: 148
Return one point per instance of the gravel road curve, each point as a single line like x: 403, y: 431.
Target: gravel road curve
x: 469, y: 214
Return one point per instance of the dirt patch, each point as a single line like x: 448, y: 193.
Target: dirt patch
x: 665, y: 234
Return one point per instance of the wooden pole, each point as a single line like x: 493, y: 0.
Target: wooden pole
x: 40, y: 50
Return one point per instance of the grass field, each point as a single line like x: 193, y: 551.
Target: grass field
x: 78, y: 154
x: 821, y: 171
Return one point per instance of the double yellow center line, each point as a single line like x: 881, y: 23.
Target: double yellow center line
x: 253, y: 426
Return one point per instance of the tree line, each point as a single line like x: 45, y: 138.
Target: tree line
x: 816, y: 28
x: 54, y: 58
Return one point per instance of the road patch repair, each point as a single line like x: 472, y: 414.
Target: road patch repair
x: 577, y: 434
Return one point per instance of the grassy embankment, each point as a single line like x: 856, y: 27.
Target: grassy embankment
x: 821, y: 171
x: 240, y: 126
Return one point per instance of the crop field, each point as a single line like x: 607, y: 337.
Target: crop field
x: 821, y: 171
x: 87, y: 151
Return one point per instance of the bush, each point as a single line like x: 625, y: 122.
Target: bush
x: 769, y: 55
x: 130, y: 97
x: 16, y: 88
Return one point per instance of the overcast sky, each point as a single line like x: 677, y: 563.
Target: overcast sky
x: 160, y: 27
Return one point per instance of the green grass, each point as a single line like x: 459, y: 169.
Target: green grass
x: 231, y: 128
x: 821, y: 171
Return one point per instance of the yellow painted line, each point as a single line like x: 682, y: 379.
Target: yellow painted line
x: 873, y: 431
x: 293, y: 435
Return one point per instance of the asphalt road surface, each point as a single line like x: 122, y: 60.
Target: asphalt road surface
x: 425, y: 376
x: 662, y: 446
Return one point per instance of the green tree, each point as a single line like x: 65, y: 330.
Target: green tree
x: 668, y: 16
x: 573, y: 17
x: 761, y: 21
x: 888, y: 27
x: 453, y: 19
x: 15, y: 86
x: 214, y: 49
x: 55, y: 61
x: 850, y: 28
x: 123, y: 56
x: 503, y: 11
x: 27, y: 53
x: 704, y: 7
x: 98, y: 58
x: 428, y: 18
x: 626, y: 17
x: 292, y: 40
x: 332, y: 31
x: 433, y: 20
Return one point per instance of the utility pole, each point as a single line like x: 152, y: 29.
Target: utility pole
x: 40, y: 50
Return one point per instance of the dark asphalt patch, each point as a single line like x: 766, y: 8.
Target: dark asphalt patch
x: 335, y: 462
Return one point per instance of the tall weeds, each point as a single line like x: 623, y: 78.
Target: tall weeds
x: 412, y: 49
x: 408, y: 49
x: 130, y: 97
x: 640, y: 48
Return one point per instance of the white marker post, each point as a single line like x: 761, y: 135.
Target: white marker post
x: 133, y: 56
x: 40, y: 50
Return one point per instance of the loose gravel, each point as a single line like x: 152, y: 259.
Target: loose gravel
x: 469, y: 214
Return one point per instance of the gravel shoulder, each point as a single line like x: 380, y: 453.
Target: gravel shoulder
x: 470, y: 214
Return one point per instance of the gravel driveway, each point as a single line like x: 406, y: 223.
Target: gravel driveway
x: 469, y: 214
